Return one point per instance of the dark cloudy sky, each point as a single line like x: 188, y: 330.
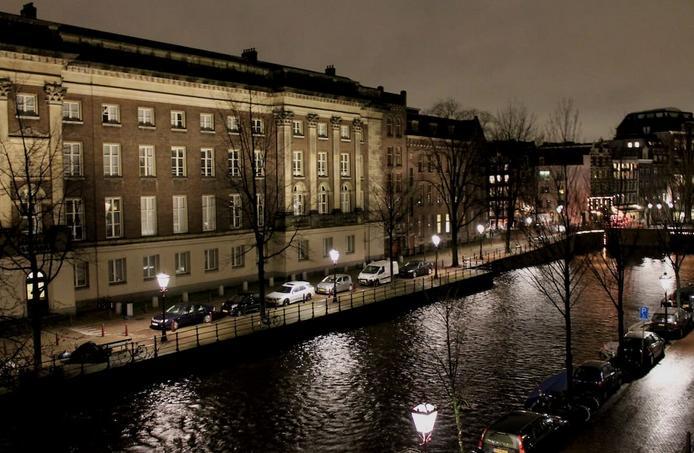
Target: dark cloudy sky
x: 611, y: 56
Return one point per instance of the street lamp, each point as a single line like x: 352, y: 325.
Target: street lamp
x: 480, y: 230
x: 436, y: 240
x: 665, y: 284
x: 424, y: 417
x: 334, y: 255
x: 163, y: 280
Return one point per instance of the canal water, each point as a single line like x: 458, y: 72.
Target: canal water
x: 348, y: 390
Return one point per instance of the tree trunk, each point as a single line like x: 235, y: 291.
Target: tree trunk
x: 567, y: 325
x: 620, y: 311
x: 454, y: 242
x: 390, y: 257
x: 36, y: 327
x: 458, y: 422
x: 261, y: 277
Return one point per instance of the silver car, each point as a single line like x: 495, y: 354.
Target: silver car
x: 327, y: 285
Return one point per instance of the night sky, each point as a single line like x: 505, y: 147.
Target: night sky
x: 612, y: 56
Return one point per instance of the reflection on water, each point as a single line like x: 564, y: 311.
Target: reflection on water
x: 350, y: 390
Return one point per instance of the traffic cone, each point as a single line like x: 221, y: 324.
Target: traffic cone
x: 102, y: 330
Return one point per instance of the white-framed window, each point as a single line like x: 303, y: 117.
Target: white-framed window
x: 398, y: 127
x: 114, y: 216
x: 232, y: 124
x: 322, y: 130
x: 350, y: 244
x: 438, y: 223
x: 180, y: 214
x: 207, y: 161
x: 182, y: 263
x: 298, y: 128
x: 344, y: 164
x: 298, y: 163
x: 344, y: 132
x: 258, y: 126
x: 81, y: 269
x: 116, y: 271
x: 233, y: 162
x: 448, y: 223
x: 259, y: 163
x: 207, y: 122
x: 389, y: 126
x: 147, y: 161
x: 209, y: 213
x: 35, y: 222
x: 323, y: 199
x: 345, y: 198
x: 72, y: 111
x: 148, y: 215
x: 398, y: 156
x: 112, y: 165
x: 327, y: 246
x: 234, y: 210
x: 322, y: 164
x: 237, y: 256
x: 302, y: 250
x: 110, y: 113
x: 260, y: 209
x: 150, y: 267
x: 26, y: 105
x: 211, y: 260
x: 178, y: 161
x: 178, y: 119
x: 74, y: 217
x: 72, y: 159
x: 298, y: 200
x: 389, y: 156
x: 145, y: 116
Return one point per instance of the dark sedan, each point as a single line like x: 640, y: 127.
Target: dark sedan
x: 183, y: 314
x: 416, y: 268
x: 597, y: 377
x: 523, y: 431
x: 241, y: 304
x: 675, y: 323
x: 642, y: 349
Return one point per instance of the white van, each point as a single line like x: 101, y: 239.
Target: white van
x: 377, y: 272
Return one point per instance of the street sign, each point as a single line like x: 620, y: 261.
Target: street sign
x: 643, y: 313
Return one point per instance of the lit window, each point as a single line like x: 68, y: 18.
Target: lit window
x: 182, y: 263
x: 178, y: 161
x: 112, y: 160
x: 323, y: 200
x: 180, y: 214
x: 145, y: 116
x: 344, y: 132
x: 26, y: 105
x: 345, y: 199
x: 74, y: 216
x: 178, y: 119
x: 147, y: 167
x: 299, y: 200
x: 72, y: 159
x: 150, y: 266
x: 148, y: 216
x: 232, y: 124
x: 344, y: 164
x: 113, y: 210
x: 72, y: 111
x: 298, y: 128
x: 206, y: 122
x: 323, y: 130
x: 207, y: 162
x: 322, y: 164
x: 209, y: 213
x: 298, y: 163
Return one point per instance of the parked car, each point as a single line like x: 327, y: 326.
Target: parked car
x: 686, y: 294
x: 597, y: 377
x: 523, y: 431
x: 291, y: 292
x: 642, y: 348
x: 377, y: 272
x: 416, y: 268
x: 327, y: 285
x: 241, y: 304
x: 675, y: 323
x: 183, y: 314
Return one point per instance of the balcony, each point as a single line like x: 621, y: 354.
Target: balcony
x: 314, y: 220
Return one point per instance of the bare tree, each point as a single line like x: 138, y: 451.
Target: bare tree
x: 452, y: 109
x: 563, y: 124
x: 514, y: 122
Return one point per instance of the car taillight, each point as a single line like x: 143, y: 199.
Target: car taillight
x: 521, y: 448
x: 480, y: 445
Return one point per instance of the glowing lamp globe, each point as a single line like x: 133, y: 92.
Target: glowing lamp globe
x: 480, y: 228
x: 424, y: 417
x: 664, y: 281
x: 436, y: 240
x: 163, y: 280
x: 334, y: 255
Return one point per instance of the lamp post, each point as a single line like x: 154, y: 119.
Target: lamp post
x: 436, y: 240
x: 665, y: 284
x: 480, y: 230
x: 424, y: 417
x: 334, y: 255
x: 648, y: 217
x: 163, y: 280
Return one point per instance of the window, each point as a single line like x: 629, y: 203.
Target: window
x: 207, y: 162
x: 113, y: 209
x: 145, y: 116
x: 116, y: 271
x: 182, y: 263
x: 211, y: 260
x: 26, y: 105
x: 237, y: 256
x: 72, y: 159
x: 298, y: 128
x: 110, y: 113
x: 259, y: 163
x: 327, y: 246
x: 74, y: 216
x: 258, y: 127
x: 147, y: 162
x: 398, y: 156
x: 350, y: 243
x: 150, y: 266
x: 389, y: 127
x: 298, y: 163
x: 148, y: 216
x: 209, y: 213
x: 323, y: 130
x: 323, y: 200
x: 298, y: 200
x: 72, y: 111
x: 180, y: 214
x: 344, y: 132
x: 111, y: 159
x: 438, y: 223
x: 260, y: 209
x: 234, y: 210
x: 178, y: 119
x: 398, y: 127
x: 233, y: 161
x: 389, y: 156
x: 322, y: 164
x: 345, y: 199
x: 81, y: 274
x: 178, y: 161
x: 232, y: 124
x: 207, y: 122
x: 448, y: 224
x: 302, y: 250
x: 344, y: 164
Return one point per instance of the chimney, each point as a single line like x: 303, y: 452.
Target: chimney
x: 28, y: 11
x: 330, y: 70
x: 250, y: 54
